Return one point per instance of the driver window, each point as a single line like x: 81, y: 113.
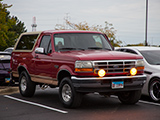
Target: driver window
x: 46, y: 44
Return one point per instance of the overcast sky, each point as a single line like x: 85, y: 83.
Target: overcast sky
x: 127, y: 16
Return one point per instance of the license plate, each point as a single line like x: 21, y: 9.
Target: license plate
x: 7, y: 80
x: 117, y: 84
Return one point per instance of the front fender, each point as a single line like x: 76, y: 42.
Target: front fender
x: 21, y: 67
x: 66, y: 68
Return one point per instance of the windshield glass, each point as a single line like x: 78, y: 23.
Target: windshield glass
x: 152, y: 57
x: 80, y: 41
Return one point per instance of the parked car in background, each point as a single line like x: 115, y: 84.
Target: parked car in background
x: 4, y: 67
x: 10, y: 49
x: 151, y: 57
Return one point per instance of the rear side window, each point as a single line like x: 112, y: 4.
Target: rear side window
x: 26, y: 42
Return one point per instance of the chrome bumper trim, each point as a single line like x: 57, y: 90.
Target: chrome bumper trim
x: 107, y: 78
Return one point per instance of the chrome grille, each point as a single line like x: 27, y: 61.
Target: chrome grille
x: 116, y: 66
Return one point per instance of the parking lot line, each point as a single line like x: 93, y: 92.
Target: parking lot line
x: 35, y: 104
x: 151, y: 103
x: 141, y: 101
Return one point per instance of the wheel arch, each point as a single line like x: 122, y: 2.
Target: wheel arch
x: 155, y: 77
x: 22, y: 68
x: 151, y: 93
x: 61, y: 74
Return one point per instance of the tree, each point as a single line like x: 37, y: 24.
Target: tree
x: 19, y: 27
x: 108, y: 29
x: 140, y: 44
x: 10, y: 27
x: 5, y: 24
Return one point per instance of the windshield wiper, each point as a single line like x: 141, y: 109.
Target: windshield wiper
x: 95, y: 48
x: 98, y: 48
x: 107, y: 49
x: 69, y: 48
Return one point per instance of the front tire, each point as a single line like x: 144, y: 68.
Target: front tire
x: 68, y: 96
x: 26, y: 86
x: 154, y: 89
x: 129, y: 97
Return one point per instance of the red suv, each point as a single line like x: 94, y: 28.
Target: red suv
x: 78, y: 62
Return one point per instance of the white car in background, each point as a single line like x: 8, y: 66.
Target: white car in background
x: 151, y: 57
x: 10, y: 49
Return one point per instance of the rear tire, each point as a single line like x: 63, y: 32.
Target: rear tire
x: 68, y: 96
x: 26, y: 86
x: 129, y: 97
x: 154, y: 89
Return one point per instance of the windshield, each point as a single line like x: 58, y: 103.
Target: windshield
x: 80, y: 41
x: 152, y: 57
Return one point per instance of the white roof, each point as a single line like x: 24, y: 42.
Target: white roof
x: 142, y: 48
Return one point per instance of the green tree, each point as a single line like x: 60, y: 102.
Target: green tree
x: 5, y: 25
x: 140, y: 44
x: 108, y: 29
x: 10, y: 27
x: 19, y: 27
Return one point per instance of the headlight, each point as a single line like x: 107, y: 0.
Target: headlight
x: 5, y: 57
x: 140, y: 65
x: 83, y: 66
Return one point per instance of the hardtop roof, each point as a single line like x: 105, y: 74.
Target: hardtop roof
x: 62, y: 31
x: 143, y: 48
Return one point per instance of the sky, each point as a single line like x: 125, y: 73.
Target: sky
x: 127, y: 16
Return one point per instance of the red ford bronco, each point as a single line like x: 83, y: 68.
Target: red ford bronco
x: 78, y: 62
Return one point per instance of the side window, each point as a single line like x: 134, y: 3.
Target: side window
x: 46, y: 44
x: 130, y: 51
x: 26, y: 42
x: 98, y: 41
x: 121, y: 50
x: 58, y: 43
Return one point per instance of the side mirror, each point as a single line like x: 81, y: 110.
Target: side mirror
x: 39, y: 50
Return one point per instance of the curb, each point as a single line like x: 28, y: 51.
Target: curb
x: 6, y: 90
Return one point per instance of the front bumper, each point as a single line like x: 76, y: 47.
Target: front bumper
x: 103, y: 84
x: 4, y: 77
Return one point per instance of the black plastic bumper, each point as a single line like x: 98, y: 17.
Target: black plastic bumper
x: 103, y: 84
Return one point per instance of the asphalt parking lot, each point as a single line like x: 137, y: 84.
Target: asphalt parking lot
x: 45, y: 104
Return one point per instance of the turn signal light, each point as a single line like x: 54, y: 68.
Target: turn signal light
x: 83, y: 69
x: 140, y: 68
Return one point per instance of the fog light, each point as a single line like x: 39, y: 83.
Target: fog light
x: 133, y: 71
x: 101, y: 73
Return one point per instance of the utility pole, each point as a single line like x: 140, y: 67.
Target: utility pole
x: 146, y: 43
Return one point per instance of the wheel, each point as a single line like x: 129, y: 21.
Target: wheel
x: 68, y: 96
x: 26, y: 86
x: 129, y: 97
x: 154, y: 89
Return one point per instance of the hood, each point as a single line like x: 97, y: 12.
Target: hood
x: 101, y: 55
x: 153, y: 68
